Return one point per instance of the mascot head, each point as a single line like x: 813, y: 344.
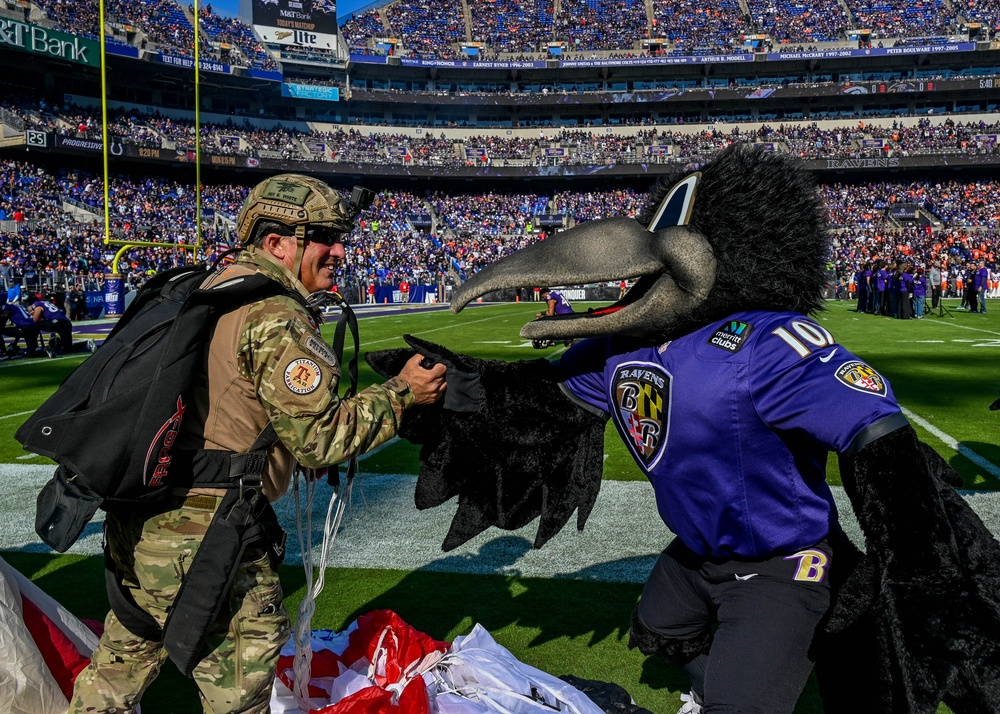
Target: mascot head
x: 746, y: 231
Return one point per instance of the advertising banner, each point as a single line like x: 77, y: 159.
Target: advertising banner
x: 188, y: 63
x: 310, y: 91
x: 113, y: 303
x: 51, y: 43
x: 303, y: 23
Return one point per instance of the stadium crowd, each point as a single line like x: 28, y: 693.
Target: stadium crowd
x: 794, y: 21
x: 904, y: 137
x: 51, y: 226
x: 163, y: 25
x: 438, y: 30
x: 701, y: 27
x: 690, y: 27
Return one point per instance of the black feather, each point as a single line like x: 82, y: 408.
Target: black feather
x: 765, y: 219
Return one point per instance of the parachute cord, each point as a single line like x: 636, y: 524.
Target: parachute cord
x: 302, y: 633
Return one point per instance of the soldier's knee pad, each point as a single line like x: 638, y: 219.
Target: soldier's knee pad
x: 673, y: 649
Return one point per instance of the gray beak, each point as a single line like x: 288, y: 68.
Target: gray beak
x: 675, y: 268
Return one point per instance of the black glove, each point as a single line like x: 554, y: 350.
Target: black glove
x: 526, y: 450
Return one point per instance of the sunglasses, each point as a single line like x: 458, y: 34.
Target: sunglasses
x: 325, y: 235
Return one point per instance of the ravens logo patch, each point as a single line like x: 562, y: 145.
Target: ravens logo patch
x: 641, y: 394
x: 858, y: 375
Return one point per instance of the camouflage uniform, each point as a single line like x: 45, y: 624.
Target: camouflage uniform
x: 266, y: 363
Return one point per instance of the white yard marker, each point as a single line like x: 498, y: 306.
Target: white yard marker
x: 437, y: 329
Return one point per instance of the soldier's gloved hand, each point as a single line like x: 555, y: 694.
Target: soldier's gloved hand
x: 428, y: 382
x: 463, y: 392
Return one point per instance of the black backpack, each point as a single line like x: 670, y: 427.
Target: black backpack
x: 112, y: 424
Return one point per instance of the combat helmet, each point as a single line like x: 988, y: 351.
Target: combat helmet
x: 300, y: 202
x: 297, y: 201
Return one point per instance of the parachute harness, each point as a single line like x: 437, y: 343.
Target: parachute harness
x: 302, y: 633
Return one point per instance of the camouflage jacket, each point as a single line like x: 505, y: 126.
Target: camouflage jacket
x: 282, y: 371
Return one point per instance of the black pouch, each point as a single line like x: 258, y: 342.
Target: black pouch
x: 205, y: 589
x: 63, y: 509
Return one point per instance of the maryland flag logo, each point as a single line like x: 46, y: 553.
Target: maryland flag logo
x: 857, y: 375
x: 641, y: 393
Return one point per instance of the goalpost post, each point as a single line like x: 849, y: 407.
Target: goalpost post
x: 113, y: 294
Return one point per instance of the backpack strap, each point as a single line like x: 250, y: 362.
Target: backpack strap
x: 347, y: 320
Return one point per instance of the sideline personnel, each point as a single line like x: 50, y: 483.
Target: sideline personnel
x: 267, y: 364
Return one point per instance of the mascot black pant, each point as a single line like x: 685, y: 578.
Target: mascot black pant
x: 767, y: 612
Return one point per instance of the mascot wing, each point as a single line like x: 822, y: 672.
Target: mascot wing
x: 509, y: 444
x: 924, y: 605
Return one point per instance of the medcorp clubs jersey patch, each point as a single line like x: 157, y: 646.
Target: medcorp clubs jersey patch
x: 641, y: 394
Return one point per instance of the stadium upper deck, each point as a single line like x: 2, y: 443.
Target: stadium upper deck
x: 842, y: 108
x: 531, y: 29
x: 670, y: 79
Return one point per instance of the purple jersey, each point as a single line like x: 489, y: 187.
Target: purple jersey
x: 49, y: 310
x: 562, y: 304
x: 18, y: 315
x: 733, y: 423
x: 982, y: 279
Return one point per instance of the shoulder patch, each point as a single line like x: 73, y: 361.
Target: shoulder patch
x: 322, y: 350
x: 303, y: 376
x: 731, y: 336
x: 858, y: 375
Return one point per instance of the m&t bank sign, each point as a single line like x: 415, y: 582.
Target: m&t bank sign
x: 51, y: 43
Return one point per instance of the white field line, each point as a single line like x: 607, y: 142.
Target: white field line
x: 11, y: 416
x: 951, y: 442
x: 944, y: 323
x: 25, y: 361
x: 436, y: 329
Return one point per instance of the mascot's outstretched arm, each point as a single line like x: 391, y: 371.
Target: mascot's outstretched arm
x: 507, y: 442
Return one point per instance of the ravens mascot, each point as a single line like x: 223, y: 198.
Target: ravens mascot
x: 729, y: 398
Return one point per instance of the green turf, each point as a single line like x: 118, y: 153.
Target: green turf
x: 941, y: 368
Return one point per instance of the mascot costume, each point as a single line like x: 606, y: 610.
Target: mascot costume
x: 729, y: 398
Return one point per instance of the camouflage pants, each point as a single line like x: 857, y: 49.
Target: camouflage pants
x: 237, y: 670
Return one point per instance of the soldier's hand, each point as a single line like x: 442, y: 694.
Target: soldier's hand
x: 427, y: 383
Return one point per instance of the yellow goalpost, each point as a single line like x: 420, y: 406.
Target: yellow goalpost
x: 126, y: 244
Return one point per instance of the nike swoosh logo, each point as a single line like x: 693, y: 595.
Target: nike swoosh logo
x: 746, y: 577
x: 828, y: 357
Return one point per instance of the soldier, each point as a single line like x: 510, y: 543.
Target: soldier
x: 267, y: 364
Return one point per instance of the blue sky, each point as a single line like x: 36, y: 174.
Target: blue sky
x: 231, y: 7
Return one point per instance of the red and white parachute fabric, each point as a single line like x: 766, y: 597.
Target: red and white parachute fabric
x: 381, y: 665
x: 42, y: 648
x: 376, y: 665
